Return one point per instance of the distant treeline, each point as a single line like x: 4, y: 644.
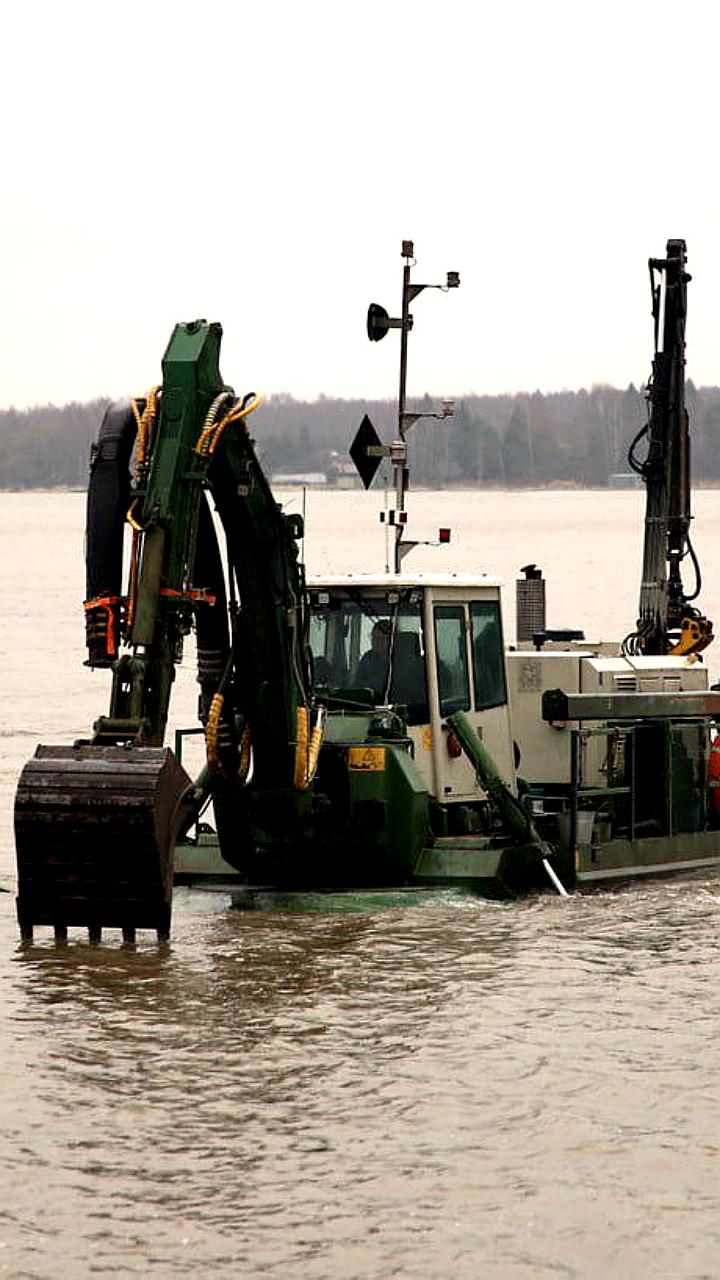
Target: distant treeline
x: 578, y: 437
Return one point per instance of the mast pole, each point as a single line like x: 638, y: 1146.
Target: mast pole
x: 367, y: 449
x: 400, y: 463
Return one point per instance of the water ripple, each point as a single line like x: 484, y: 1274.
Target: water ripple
x: 442, y: 1085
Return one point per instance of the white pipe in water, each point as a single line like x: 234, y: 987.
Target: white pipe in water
x: 555, y: 879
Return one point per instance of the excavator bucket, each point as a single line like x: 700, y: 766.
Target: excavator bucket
x: 95, y: 829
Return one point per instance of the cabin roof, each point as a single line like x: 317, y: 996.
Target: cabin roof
x: 464, y: 581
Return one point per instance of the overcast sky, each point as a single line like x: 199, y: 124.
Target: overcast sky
x: 260, y: 164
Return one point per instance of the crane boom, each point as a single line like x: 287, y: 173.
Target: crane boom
x: 667, y: 620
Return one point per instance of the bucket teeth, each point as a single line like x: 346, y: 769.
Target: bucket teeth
x: 95, y: 829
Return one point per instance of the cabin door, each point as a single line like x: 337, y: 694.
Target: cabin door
x: 467, y: 673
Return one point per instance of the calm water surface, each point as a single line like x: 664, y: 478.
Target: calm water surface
x: 425, y: 1086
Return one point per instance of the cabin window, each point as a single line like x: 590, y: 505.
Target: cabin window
x: 371, y: 643
x: 408, y: 680
x: 488, y: 658
x: 452, y: 663
x: 328, y: 645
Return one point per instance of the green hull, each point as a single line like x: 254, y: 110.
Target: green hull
x: 618, y: 860
x: 490, y: 869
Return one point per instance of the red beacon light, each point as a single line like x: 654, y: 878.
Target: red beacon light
x: 443, y: 536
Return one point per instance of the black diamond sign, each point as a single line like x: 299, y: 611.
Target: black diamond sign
x: 366, y: 465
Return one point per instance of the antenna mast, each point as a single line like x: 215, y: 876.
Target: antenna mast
x: 367, y: 449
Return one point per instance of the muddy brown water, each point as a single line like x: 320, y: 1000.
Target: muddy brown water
x: 414, y: 1085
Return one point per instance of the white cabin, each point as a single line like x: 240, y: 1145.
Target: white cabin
x: 438, y: 648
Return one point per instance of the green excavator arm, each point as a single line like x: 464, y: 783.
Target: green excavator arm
x: 96, y: 823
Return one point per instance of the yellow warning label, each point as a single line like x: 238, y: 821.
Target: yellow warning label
x: 427, y: 738
x: 368, y: 759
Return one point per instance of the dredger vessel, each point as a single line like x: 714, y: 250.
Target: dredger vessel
x: 361, y: 731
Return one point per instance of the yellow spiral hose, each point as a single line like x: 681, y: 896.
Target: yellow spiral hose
x: 307, y: 749
x: 211, y: 734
